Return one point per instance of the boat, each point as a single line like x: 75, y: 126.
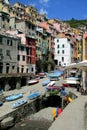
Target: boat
x: 46, y: 82
x: 18, y: 103
x: 72, y: 80
x: 1, y: 92
x: 41, y: 75
x: 33, y: 81
x: 1, y: 103
x: 53, y: 88
x: 55, y: 75
x: 14, y: 97
x: 51, y: 83
x: 34, y: 95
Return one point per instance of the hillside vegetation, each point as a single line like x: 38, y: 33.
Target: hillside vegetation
x: 77, y: 23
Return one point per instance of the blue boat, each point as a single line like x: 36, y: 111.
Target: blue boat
x: 1, y: 103
x: 55, y: 75
x: 46, y: 82
x: 1, y: 91
x: 18, y: 103
x: 14, y: 97
x: 34, y: 95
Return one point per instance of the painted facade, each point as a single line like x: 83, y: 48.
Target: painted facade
x: 64, y: 51
x: 8, y: 55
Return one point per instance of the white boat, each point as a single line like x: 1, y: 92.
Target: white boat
x: 51, y: 83
x: 72, y: 80
x: 18, y: 103
x: 33, y: 81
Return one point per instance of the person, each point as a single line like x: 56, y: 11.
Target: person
x: 55, y: 113
x: 59, y: 111
x: 63, y: 92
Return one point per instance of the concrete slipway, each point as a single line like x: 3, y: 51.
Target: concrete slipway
x: 73, y: 117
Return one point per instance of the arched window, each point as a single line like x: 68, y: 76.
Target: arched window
x: 7, y: 68
x: 1, y: 68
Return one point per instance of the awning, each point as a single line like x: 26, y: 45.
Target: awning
x: 69, y: 81
x: 81, y: 65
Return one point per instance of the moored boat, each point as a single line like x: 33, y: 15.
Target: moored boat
x: 1, y: 103
x: 18, y: 103
x: 14, y: 97
x: 46, y: 82
x: 53, y: 88
x: 34, y: 95
x: 41, y: 75
x: 33, y: 81
x: 51, y: 83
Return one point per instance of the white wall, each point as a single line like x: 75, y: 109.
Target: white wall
x: 68, y: 55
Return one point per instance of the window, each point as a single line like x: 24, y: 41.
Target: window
x: 8, y: 52
x: 58, y: 46
x: 3, y: 18
x: 22, y: 48
x: 13, y: 67
x: 63, y: 45
x: 57, y: 40
x: 8, y: 42
x: 32, y: 69
x: 0, y: 40
x: 17, y: 69
x: 0, y: 51
x: 18, y: 58
x: 62, y: 51
x: 11, y: 43
x: 58, y: 52
x: 68, y: 39
x: 62, y: 58
x: 23, y: 58
x: 3, y: 26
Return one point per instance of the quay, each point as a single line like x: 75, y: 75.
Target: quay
x: 73, y: 117
x: 25, y: 90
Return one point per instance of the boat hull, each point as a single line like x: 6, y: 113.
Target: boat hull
x: 14, y: 97
x: 31, y: 82
x: 18, y: 104
x: 34, y: 95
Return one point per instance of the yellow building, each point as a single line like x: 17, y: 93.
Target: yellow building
x: 85, y: 47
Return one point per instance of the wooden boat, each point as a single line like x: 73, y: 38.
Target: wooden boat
x: 18, y: 103
x: 55, y: 75
x: 34, y: 95
x: 1, y: 103
x: 14, y: 97
x: 72, y: 80
x: 51, y: 83
x: 53, y: 88
x: 1, y: 91
x: 46, y: 82
x: 41, y: 75
x: 33, y: 81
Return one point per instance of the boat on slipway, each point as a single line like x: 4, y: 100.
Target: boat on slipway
x: 18, y: 103
x: 46, y: 82
x: 34, y: 95
x: 53, y: 88
x: 51, y: 83
x: 71, y: 81
x: 14, y: 97
x: 32, y: 81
